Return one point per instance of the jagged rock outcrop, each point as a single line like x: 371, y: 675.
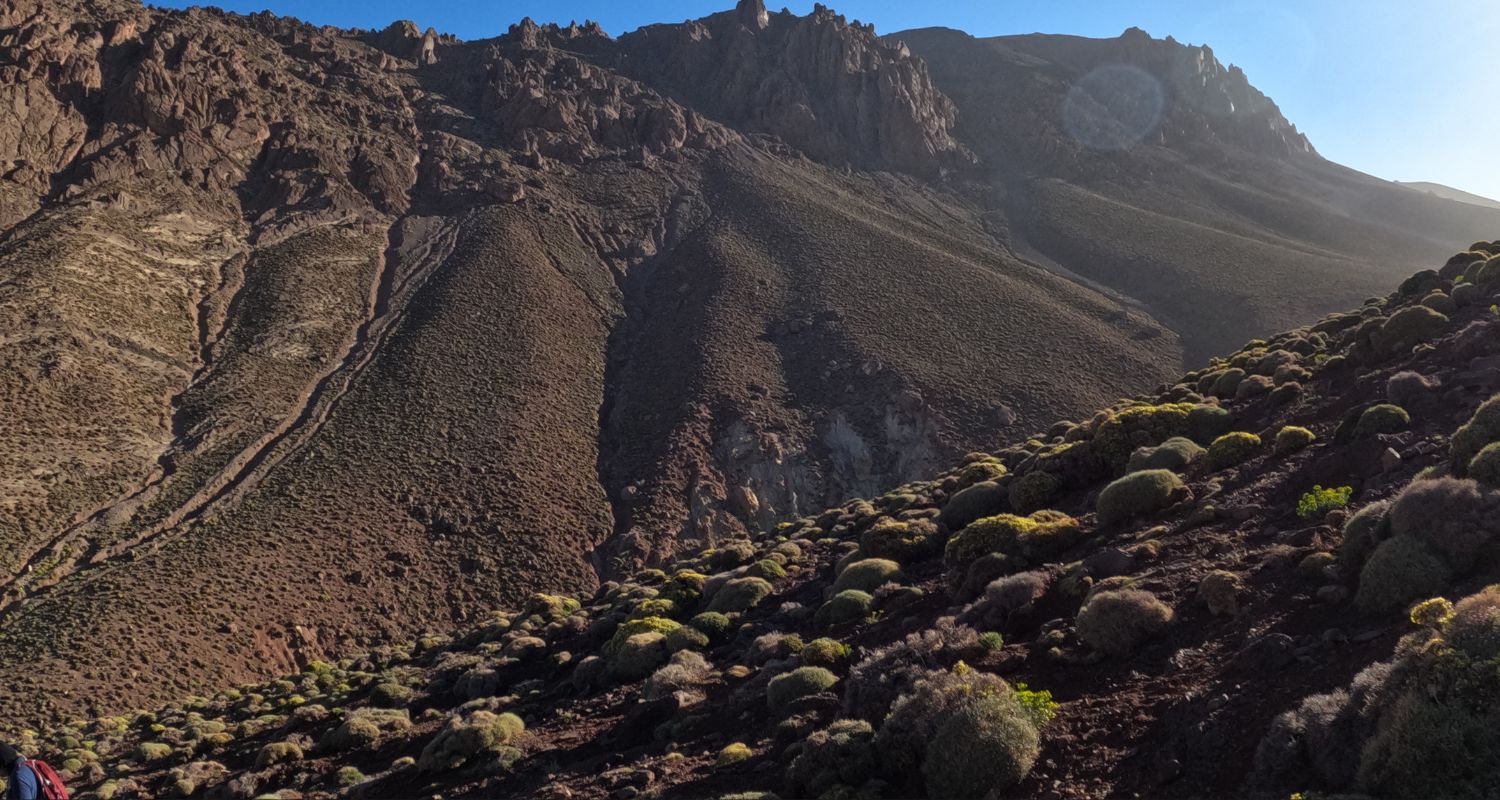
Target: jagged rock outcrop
x: 822, y: 84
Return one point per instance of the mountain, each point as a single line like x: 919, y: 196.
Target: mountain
x: 1149, y: 168
x: 1233, y: 586
x: 1450, y: 193
x: 315, y: 339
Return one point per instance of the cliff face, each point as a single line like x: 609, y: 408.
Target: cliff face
x: 821, y: 84
x: 1193, y: 100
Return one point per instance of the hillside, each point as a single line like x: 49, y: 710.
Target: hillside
x: 1450, y: 193
x: 1193, y: 567
x: 1150, y: 168
x: 314, y: 339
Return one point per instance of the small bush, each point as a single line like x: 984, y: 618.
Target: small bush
x: 1482, y: 429
x: 850, y: 605
x: 1115, y: 622
x: 152, y: 751
x: 991, y: 640
x: 788, y: 687
x: 1383, y: 418
x: 987, y: 745
x: 887, y: 672
x: 1207, y: 423
x: 1219, y: 591
x: 900, y: 541
x: 988, y: 535
x: 277, y: 753
x: 349, y: 776
x: 1312, y: 565
x: 1033, y: 491
x: 389, y: 694
x: 1474, y: 625
x: 906, y: 734
x: 1285, y: 393
x: 986, y: 469
x: 1485, y: 467
x: 867, y: 575
x: 740, y: 594
x: 1408, y: 389
x: 1292, y: 439
x: 686, y: 637
x: 1408, y: 328
x: 824, y: 652
x: 1228, y: 382
x: 1364, y: 530
x: 1399, y: 571
x: 1053, y: 533
x: 1317, y: 503
x: 1139, y: 493
x: 1121, y: 433
x: 841, y: 754
x: 1232, y: 448
x: 980, y: 500
x: 686, y: 670
x: 1005, y: 596
x: 773, y: 646
x: 766, y: 569
x: 352, y: 734
x: 712, y: 623
x: 1038, y: 705
x: 638, y: 655
x: 632, y: 627
x: 465, y: 737
x: 1455, y: 518
x: 1434, y: 613
x: 734, y: 753
x: 1174, y: 454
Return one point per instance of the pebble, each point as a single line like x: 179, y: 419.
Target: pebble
x: 1218, y: 702
x: 1367, y: 636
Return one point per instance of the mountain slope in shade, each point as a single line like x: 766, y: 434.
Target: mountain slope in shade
x: 315, y: 339
x: 1450, y: 193
x: 1148, y: 167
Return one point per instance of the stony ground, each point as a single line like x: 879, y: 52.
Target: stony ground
x: 1148, y: 592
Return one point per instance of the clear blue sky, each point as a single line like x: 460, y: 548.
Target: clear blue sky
x: 1400, y: 89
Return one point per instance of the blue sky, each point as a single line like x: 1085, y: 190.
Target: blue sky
x: 1398, y: 89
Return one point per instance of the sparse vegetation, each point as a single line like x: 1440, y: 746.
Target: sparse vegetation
x: 1382, y: 418
x: 1232, y: 448
x: 867, y: 575
x: 1116, y: 622
x: 1139, y: 493
x: 1400, y: 570
x: 1317, y: 503
x: 1482, y: 429
x: 1292, y: 439
x: 850, y: 605
x: 788, y: 687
